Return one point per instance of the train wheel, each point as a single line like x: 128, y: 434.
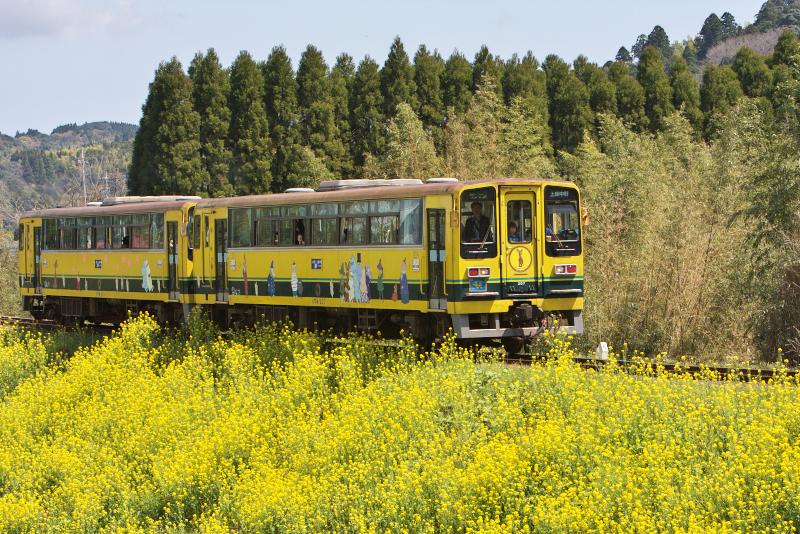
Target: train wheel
x: 513, y: 345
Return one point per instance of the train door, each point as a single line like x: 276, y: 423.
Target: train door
x: 436, y: 259
x: 221, y: 249
x: 518, y: 246
x: 37, y: 260
x: 172, y: 260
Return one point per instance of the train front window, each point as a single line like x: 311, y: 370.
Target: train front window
x: 478, y: 227
x: 562, y: 233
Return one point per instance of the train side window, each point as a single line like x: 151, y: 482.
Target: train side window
x: 119, y: 237
x: 157, y: 230
x: 353, y: 231
x: 241, y: 227
x: 21, y: 236
x: 383, y: 229
x: 264, y: 233
x: 139, y: 237
x: 410, y: 222
x: 324, y: 231
x: 286, y: 232
x: 51, y: 235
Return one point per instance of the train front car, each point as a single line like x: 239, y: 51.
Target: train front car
x: 518, y: 260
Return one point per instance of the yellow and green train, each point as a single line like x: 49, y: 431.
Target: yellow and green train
x: 489, y: 259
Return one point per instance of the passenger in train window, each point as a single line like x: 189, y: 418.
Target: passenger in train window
x: 513, y: 233
x: 299, y: 232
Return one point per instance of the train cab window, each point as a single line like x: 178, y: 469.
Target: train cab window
x: 519, y: 221
x: 562, y: 233
x: 478, y: 226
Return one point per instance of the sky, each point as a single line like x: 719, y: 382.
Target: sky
x: 91, y: 60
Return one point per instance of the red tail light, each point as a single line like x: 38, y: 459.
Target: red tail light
x: 563, y: 270
x: 472, y: 271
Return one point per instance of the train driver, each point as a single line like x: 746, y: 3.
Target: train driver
x: 476, y: 229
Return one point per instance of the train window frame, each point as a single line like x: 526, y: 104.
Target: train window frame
x: 485, y: 248
x: 561, y: 197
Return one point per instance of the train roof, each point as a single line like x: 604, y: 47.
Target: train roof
x: 130, y: 205
x: 121, y: 208
x: 362, y: 193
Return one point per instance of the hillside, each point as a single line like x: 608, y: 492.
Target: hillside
x: 760, y: 42
x: 43, y: 170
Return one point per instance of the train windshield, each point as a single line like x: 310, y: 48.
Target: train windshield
x: 478, y: 228
x: 562, y: 233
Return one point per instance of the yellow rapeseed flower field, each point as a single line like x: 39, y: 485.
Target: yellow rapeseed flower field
x: 274, y: 430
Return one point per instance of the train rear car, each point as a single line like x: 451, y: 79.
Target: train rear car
x: 104, y: 261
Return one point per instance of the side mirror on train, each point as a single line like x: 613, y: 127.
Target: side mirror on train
x: 16, y: 233
x: 584, y: 216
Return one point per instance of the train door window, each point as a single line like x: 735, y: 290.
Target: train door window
x: 478, y: 224
x: 562, y: 222
x: 207, y: 228
x: 196, y: 232
x: 324, y: 231
x: 353, y: 231
x: 21, y: 236
x: 519, y: 221
x: 383, y: 230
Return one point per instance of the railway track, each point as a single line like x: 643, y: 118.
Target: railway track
x: 720, y: 372
x: 48, y: 324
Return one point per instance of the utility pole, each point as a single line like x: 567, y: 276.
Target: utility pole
x: 83, y: 178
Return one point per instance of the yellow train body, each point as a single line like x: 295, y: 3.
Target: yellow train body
x: 489, y: 259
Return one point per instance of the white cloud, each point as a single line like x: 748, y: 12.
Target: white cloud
x: 25, y: 18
